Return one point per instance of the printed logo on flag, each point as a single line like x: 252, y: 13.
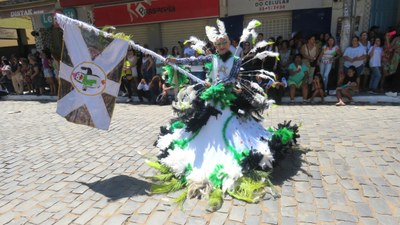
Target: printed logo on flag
x: 88, y: 79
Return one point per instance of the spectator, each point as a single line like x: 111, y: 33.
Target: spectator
x: 260, y: 37
x: 148, y: 67
x: 329, y: 53
x: 133, y: 60
x: 395, y: 48
x: 347, y: 86
x: 276, y: 89
x: 176, y: 52
x: 36, y: 75
x: 354, y: 56
x: 143, y: 90
x: 188, y: 51
x: 25, y: 71
x: 159, y: 62
x: 235, y: 47
x: 317, y: 88
x: 386, y: 58
x: 246, y: 56
x: 16, y: 76
x: 285, y: 58
x: 375, y: 54
x: 310, y: 52
x: 298, y: 77
x: 366, y: 44
x: 155, y: 88
x: 167, y: 95
x: 270, y: 63
x: 55, y: 64
x: 6, y: 72
x: 48, y: 71
x: 127, y: 78
x: 197, y: 68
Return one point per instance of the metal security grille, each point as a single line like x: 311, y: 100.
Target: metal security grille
x: 173, y: 32
x: 273, y: 24
x: 139, y: 33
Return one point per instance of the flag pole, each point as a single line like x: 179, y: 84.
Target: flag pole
x: 62, y: 20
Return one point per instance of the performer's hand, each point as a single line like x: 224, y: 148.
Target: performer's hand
x: 172, y: 60
x: 207, y: 84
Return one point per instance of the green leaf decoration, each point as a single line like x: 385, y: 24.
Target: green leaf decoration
x: 215, y: 199
x: 249, y: 190
x: 177, y: 125
x: 161, y: 177
x: 181, y: 198
x: 166, y: 187
x: 284, y: 134
x: 217, y: 176
x: 182, y: 78
x: 219, y: 94
x: 160, y: 167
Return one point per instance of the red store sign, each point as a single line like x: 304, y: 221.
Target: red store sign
x: 155, y: 11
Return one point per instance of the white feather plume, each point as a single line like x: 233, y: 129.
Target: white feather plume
x: 245, y: 35
x: 211, y: 33
x: 178, y: 160
x: 253, y: 24
x: 261, y: 44
x: 264, y: 54
x: 197, y: 44
x: 221, y: 27
x: 256, y: 86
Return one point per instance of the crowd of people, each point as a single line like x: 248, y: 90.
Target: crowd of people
x: 309, y: 66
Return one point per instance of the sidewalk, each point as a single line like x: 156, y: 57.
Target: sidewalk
x: 359, y: 98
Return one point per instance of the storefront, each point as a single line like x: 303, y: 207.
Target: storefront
x: 159, y: 23
x: 276, y: 16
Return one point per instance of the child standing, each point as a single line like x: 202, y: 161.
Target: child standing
x: 317, y: 89
x: 375, y: 54
x: 348, y: 84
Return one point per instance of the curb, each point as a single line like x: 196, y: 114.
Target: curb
x: 372, y: 99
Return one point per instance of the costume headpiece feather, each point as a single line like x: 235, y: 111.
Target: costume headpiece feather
x: 196, y: 44
x: 213, y: 34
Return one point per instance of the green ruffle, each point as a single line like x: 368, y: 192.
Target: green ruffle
x: 284, y: 134
x: 177, y: 125
x: 219, y: 94
x: 170, y: 71
x: 217, y: 176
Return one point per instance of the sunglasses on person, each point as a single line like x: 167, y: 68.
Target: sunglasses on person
x: 221, y: 43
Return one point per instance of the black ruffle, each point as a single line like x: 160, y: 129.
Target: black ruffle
x: 251, y: 162
x: 201, y: 117
x: 246, y: 104
x: 277, y: 148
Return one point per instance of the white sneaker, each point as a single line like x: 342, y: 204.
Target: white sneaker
x: 391, y: 94
x: 128, y: 100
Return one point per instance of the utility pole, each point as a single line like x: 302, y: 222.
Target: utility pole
x: 347, y: 23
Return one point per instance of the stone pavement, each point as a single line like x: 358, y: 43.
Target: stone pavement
x: 347, y: 170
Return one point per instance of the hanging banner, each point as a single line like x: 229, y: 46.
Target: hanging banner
x: 241, y: 7
x: 90, y: 72
x: 154, y: 11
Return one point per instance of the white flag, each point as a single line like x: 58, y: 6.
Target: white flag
x: 90, y: 71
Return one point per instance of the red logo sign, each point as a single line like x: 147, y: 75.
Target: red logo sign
x: 155, y: 11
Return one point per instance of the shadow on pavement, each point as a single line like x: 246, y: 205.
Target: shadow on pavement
x: 118, y: 187
x: 289, y: 167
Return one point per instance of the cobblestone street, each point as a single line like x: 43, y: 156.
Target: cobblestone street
x: 347, y: 169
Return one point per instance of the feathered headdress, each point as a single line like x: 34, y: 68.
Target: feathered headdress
x: 213, y: 34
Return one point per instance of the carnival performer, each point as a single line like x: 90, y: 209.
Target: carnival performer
x: 217, y: 145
